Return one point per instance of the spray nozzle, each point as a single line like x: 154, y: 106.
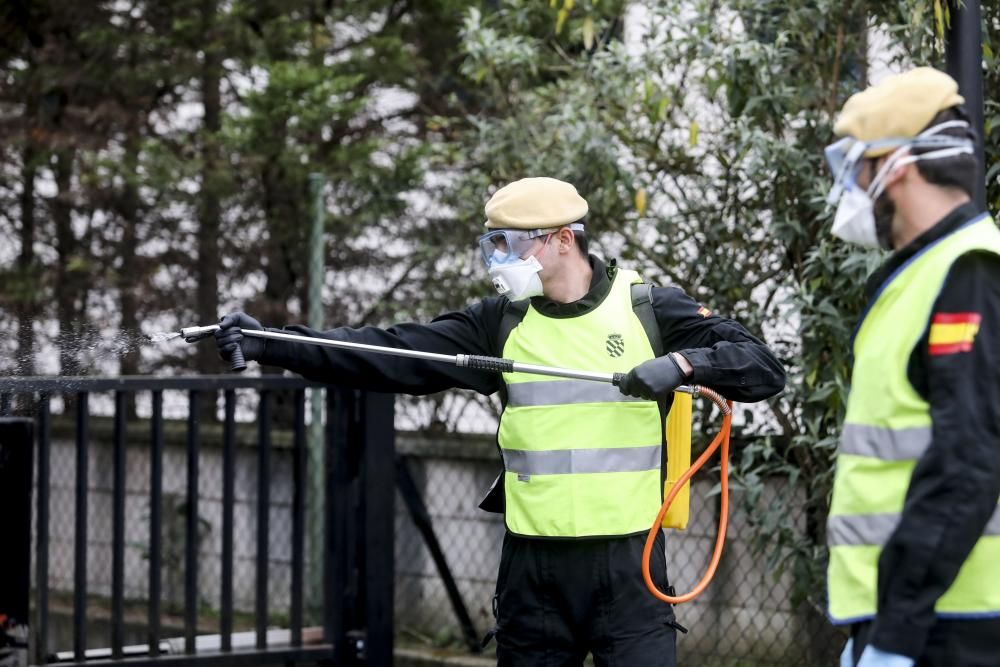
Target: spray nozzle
x: 194, y: 334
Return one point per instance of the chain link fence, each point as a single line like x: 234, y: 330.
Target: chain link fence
x: 750, y: 616
x: 746, y: 617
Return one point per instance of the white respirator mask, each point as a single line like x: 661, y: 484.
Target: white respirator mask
x: 517, y: 279
x: 854, y: 221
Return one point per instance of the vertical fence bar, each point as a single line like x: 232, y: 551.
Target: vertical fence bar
x: 5, y: 404
x: 378, y: 452
x: 42, y: 531
x: 315, y: 509
x: 80, y: 536
x: 298, y: 514
x: 332, y: 583
x: 228, y: 500
x: 263, y: 512
x: 118, y: 530
x: 155, y: 521
x: 191, y: 532
x: 341, y: 472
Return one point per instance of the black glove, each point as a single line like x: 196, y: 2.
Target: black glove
x: 230, y: 334
x: 653, y: 379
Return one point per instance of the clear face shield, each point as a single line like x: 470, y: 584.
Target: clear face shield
x: 855, y: 220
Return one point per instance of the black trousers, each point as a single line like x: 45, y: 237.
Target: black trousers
x: 558, y: 600
x: 972, y: 643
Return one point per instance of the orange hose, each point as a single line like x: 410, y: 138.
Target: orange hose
x: 721, y: 439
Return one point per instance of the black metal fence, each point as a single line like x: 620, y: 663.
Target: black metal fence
x: 355, y: 617
x: 195, y: 601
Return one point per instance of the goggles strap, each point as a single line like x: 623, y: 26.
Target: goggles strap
x: 947, y: 125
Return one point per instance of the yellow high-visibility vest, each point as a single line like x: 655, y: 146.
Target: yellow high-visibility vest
x: 887, y: 429
x: 581, y: 459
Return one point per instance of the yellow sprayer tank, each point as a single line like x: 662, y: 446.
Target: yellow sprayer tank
x: 678, y: 460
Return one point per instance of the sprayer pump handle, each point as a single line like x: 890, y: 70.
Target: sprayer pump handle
x: 239, y: 364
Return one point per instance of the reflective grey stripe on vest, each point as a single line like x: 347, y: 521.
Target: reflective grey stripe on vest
x: 563, y: 392
x: 572, y: 461
x: 875, y: 529
x: 885, y: 443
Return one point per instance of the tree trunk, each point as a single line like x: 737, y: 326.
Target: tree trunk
x: 285, y: 253
x: 283, y: 249
x: 209, y: 216
x: 128, y: 282
x: 128, y: 286
x: 68, y: 269
x: 28, y: 298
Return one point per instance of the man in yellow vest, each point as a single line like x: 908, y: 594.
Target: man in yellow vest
x: 914, y: 529
x: 582, y: 461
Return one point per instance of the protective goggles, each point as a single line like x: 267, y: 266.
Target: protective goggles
x: 844, y: 157
x: 500, y: 246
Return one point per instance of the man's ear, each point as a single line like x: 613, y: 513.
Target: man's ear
x: 898, y: 173
x: 566, y: 239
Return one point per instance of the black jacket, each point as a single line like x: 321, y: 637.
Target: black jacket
x: 722, y: 353
x: 956, y: 483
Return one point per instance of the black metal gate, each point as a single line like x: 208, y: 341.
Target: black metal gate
x: 357, y: 554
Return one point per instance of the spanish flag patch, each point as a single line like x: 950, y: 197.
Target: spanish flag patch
x: 704, y: 312
x: 953, y: 332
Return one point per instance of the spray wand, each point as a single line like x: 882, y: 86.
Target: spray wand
x: 478, y: 362
x: 500, y: 365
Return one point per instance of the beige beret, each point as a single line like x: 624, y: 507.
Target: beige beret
x: 900, y: 106
x: 535, y: 203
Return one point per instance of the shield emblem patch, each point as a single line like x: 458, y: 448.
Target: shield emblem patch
x: 615, y: 345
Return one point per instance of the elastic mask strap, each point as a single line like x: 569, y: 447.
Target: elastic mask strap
x: 949, y: 147
x: 901, y: 158
x: 545, y: 244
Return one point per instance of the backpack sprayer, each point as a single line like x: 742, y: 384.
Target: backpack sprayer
x: 678, y: 430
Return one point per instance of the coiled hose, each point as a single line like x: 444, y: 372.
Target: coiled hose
x: 721, y: 440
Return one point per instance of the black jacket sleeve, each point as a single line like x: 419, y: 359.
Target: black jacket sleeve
x: 724, y: 355
x: 469, y: 331
x: 956, y: 483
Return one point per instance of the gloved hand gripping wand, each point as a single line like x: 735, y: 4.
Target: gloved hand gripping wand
x: 500, y: 365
